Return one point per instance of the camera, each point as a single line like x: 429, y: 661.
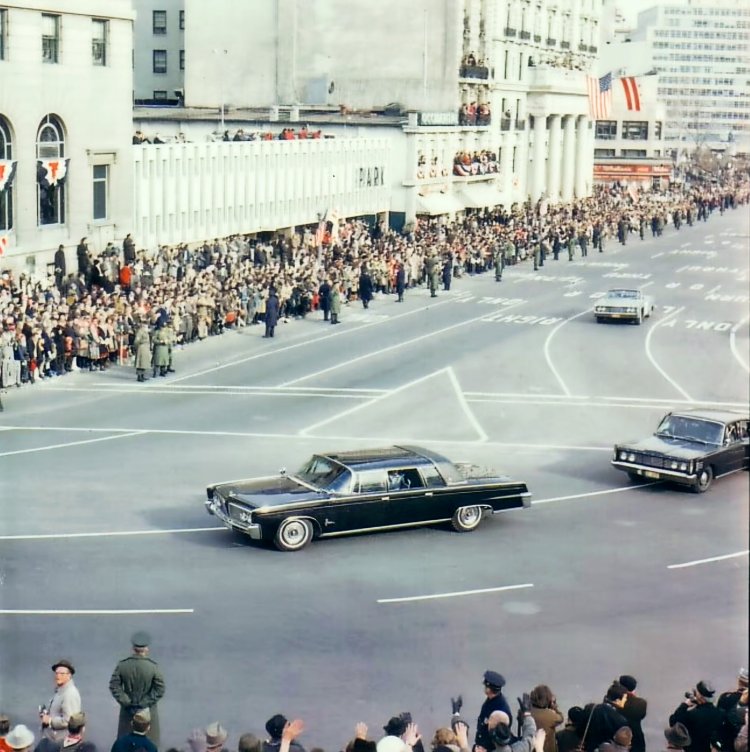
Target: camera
x: 690, y: 695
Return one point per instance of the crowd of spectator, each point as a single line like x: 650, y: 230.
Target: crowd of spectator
x: 473, y: 113
x: 87, y: 318
x: 567, y: 60
x: 703, y: 721
x: 473, y: 67
x: 482, y: 162
x: 285, y: 134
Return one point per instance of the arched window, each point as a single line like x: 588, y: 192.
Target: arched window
x: 51, y: 171
x: 6, y: 194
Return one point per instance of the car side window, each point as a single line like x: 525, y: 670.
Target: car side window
x: 404, y: 479
x: 432, y: 478
x: 372, y: 483
x: 742, y: 430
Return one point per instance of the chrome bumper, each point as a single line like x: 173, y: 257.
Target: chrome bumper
x: 615, y: 315
x: 655, y: 473
x: 248, y: 528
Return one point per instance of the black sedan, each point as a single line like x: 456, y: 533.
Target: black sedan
x: 362, y: 491
x: 691, y: 448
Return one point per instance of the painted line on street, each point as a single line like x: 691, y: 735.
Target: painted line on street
x: 708, y: 561
x: 94, y: 612
x: 71, y: 443
x: 457, y: 594
x: 603, y: 492
x: 547, y: 355
x: 650, y: 356
x: 465, y: 406
x: 307, y: 342
x: 110, y: 534
x: 223, y: 392
x: 733, y: 343
x: 390, y: 348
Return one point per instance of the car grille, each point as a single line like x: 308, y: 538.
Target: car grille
x: 651, y: 460
x: 618, y: 309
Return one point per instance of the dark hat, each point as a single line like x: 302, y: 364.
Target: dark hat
x: 395, y: 726
x: 501, y: 735
x: 623, y: 736
x: 705, y: 688
x: 493, y: 680
x: 141, y: 640
x: 615, y: 691
x: 275, y: 725
x: 63, y: 663
x: 628, y: 682
x: 678, y: 736
x: 141, y: 721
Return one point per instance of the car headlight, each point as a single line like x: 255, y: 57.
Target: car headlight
x: 599, y: 309
x: 245, y: 516
x: 623, y: 455
x: 673, y: 465
x: 632, y: 310
x: 631, y: 457
x: 683, y: 466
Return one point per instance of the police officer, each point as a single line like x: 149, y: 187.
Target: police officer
x: 137, y: 685
x: 493, y: 690
x: 499, y: 258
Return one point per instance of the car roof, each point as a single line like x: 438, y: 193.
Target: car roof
x: 721, y: 416
x: 384, y: 457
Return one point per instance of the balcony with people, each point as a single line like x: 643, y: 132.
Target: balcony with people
x: 473, y: 67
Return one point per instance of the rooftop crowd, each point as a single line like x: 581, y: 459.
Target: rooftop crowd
x: 88, y: 317
x: 703, y: 721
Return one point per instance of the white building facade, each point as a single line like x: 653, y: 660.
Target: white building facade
x: 65, y: 125
x: 158, y: 51
x: 701, y: 50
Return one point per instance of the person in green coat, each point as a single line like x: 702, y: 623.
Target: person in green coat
x: 160, y: 359
x: 142, y: 348
x: 433, y: 273
x: 137, y: 685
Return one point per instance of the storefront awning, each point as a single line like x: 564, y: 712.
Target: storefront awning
x: 481, y: 195
x: 438, y: 203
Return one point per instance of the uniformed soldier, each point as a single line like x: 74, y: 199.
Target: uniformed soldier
x: 433, y: 273
x: 142, y: 347
x: 499, y: 258
x: 160, y: 357
x: 137, y: 685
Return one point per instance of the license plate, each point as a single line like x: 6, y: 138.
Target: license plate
x: 650, y: 474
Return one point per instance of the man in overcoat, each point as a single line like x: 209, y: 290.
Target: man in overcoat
x: 273, y: 306
x: 137, y: 684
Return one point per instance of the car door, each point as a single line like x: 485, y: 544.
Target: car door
x: 363, y: 508
x: 414, y: 499
x: 734, y: 452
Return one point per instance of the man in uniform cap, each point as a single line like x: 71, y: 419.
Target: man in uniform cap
x: 493, y: 691
x: 20, y: 738
x: 137, y: 684
x: 64, y: 703
x: 700, y: 717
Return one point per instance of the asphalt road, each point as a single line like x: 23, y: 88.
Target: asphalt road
x: 102, y: 482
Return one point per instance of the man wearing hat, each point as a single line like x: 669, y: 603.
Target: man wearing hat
x: 73, y: 740
x: 634, y: 710
x: 493, y: 690
x: 4, y: 729
x: 210, y: 739
x: 137, y: 684
x: 677, y: 737
x: 136, y: 740
x: 20, y: 738
x: 700, y: 717
x: 275, y: 726
x: 733, y: 705
x: 64, y: 703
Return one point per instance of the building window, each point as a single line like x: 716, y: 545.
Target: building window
x: 160, y: 95
x: 50, y: 38
x: 603, y: 153
x: 160, y: 61
x: 635, y: 130
x: 633, y: 153
x: 51, y: 172
x: 606, y: 129
x: 101, y: 182
x: 159, y: 22
x: 182, y: 20
x: 182, y: 59
x: 6, y: 196
x: 3, y: 32
x: 657, y: 129
x: 99, y: 29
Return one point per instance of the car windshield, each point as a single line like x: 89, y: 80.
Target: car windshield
x: 322, y: 473
x: 623, y: 294
x: 692, y: 429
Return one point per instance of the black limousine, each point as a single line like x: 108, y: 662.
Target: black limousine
x: 361, y: 491
x: 691, y: 447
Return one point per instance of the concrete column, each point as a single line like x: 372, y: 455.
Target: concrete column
x: 584, y: 158
x: 569, y: 155
x: 538, y: 181
x: 554, y: 164
x: 506, y: 163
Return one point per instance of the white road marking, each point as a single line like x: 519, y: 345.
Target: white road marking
x: 456, y: 594
x: 304, y: 343
x: 733, y: 343
x: 650, y: 356
x: 708, y: 561
x: 546, y: 350
x: 71, y: 443
x: 464, y: 405
x: 268, y: 391
x: 390, y: 348
x: 110, y: 534
x: 94, y: 612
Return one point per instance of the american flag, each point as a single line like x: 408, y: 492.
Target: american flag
x: 632, y: 95
x: 600, y: 96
